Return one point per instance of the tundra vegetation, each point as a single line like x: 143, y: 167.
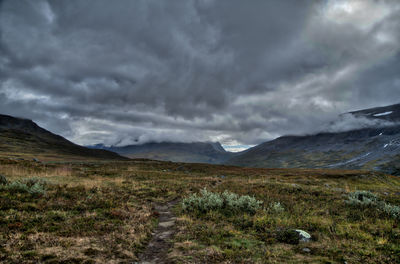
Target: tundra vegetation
x: 89, y: 212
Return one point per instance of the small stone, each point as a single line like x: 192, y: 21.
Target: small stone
x: 166, y: 234
x: 167, y: 224
x: 304, y: 236
x: 306, y: 250
x: 296, y: 186
x: 162, y: 208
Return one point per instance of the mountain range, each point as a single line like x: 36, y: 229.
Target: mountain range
x: 373, y: 147
x: 196, y: 152
x: 376, y: 147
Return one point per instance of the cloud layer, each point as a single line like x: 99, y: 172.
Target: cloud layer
x: 123, y: 72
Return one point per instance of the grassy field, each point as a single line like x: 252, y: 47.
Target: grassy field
x: 102, y: 212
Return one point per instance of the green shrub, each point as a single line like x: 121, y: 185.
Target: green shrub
x: 17, y: 187
x: 227, y: 202
x: 368, y: 199
x: 34, y: 181
x: 362, y: 198
x: 231, y: 200
x: 391, y: 210
x: 277, y: 207
x: 248, y: 204
x: 206, y: 202
x: 33, y: 186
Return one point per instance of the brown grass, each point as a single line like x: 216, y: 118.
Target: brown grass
x: 102, y: 212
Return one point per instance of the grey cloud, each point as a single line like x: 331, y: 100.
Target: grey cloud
x: 235, y: 71
x: 347, y: 122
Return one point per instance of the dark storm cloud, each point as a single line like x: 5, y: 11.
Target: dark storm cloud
x: 184, y: 70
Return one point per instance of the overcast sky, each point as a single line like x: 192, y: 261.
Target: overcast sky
x: 234, y: 71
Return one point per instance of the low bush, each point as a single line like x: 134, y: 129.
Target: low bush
x: 277, y: 207
x: 33, y: 186
x: 391, y: 210
x: 226, y: 201
x: 362, y: 198
x: 368, y: 199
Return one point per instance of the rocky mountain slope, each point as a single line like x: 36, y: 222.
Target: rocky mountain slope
x: 197, y: 152
x: 24, y: 138
x: 375, y: 147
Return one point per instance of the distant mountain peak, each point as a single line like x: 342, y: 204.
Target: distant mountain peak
x: 217, y: 146
x: 196, y: 152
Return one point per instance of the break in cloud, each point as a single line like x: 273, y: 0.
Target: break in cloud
x: 240, y: 72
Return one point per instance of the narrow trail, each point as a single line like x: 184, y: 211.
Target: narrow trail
x: 157, y: 249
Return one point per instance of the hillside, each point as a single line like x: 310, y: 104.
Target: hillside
x: 375, y: 148
x: 23, y: 138
x: 131, y: 212
x: 197, y: 152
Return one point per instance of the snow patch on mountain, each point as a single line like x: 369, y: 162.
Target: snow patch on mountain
x: 383, y: 114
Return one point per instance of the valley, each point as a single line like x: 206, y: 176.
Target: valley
x: 195, y: 152
x: 200, y: 132
x: 105, y: 211
x: 60, y: 202
x: 373, y: 147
